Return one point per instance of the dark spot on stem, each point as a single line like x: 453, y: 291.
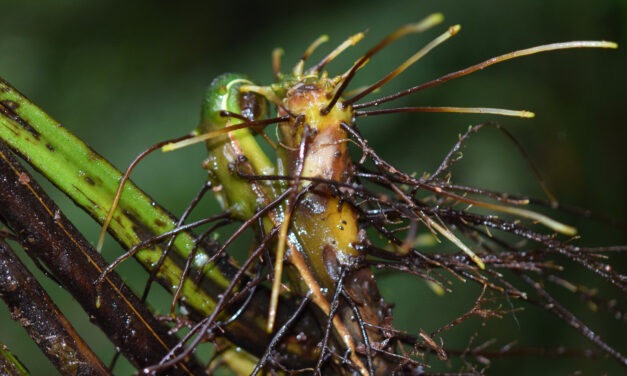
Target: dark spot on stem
x: 89, y: 180
x: 330, y: 262
x: 11, y: 105
x: 50, y: 147
x: 93, y: 155
x: 251, y: 105
x: 8, y: 108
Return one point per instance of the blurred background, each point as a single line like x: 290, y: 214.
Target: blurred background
x: 124, y: 75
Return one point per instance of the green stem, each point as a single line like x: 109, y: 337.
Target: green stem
x: 91, y: 182
x: 9, y: 364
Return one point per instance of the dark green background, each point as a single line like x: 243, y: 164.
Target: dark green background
x: 123, y: 76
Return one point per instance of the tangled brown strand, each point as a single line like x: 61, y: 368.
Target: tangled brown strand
x: 391, y: 203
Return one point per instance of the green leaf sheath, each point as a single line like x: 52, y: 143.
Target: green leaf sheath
x: 239, y: 195
x: 239, y: 151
